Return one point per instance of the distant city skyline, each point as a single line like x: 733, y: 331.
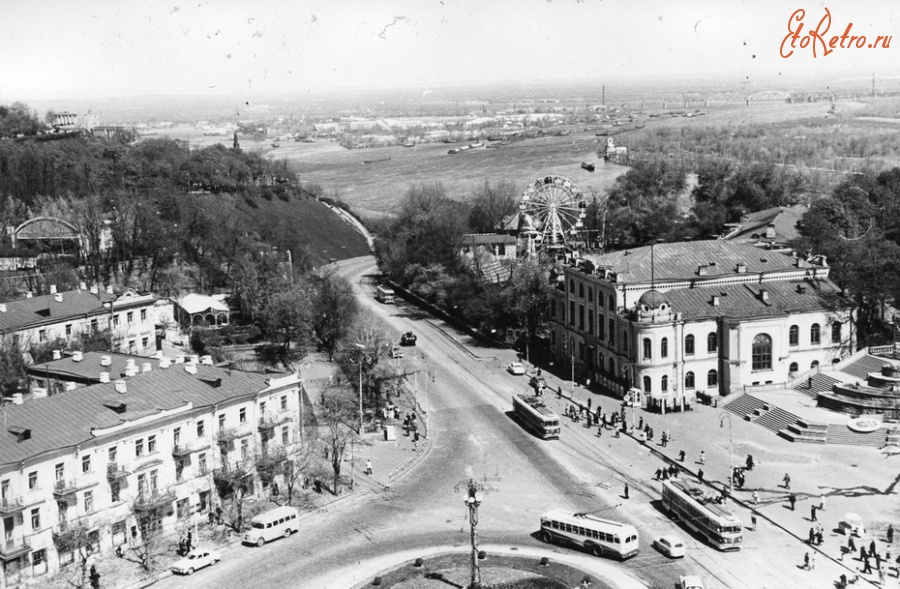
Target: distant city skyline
x: 100, y: 48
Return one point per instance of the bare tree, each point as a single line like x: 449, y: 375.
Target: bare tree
x: 148, y: 509
x: 234, y: 481
x: 74, y: 539
x: 338, y: 413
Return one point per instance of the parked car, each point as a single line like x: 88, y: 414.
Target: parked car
x: 690, y: 582
x: 199, y: 558
x: 537, y: 382
x: 671, y: 546
x: 515, y: 368
x: 408, y: 339
x: 396, y: 352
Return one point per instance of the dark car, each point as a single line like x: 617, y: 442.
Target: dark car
x: 408, y: 339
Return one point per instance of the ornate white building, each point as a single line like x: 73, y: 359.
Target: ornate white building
x: 710, y: 317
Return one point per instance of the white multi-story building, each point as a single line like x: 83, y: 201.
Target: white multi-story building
x: 706, y: 317
x: 151, y: 444
x: 130, y: 316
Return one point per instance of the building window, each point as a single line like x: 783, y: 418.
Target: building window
x: 612, y: 332
x: 183, y: 508
x: 572, y: 286
x: 590, y: 321
x: 601, y: 362
x: 42, y: 335
x: 139, y: 447
x: 201, y: 463
x: 283, y: 402
x: 815, y: 337
x: 242, y: 415
x: 664, y: 383
x: 176, y: 436
x: 647, y: 384
x: 284, y: 435
x: 601, y: 327
x: 94, y: 326
x: 689, y: 345
x: 112, y: 455
x: 712, y: 379
x: 201, y: 429
x: 154, y: 480
x: 689, y: 380
x: 612, y: 302
x: 39, y: 561
x: 648, y: 348
x: 794, y: 336
x: 88, y: 501
x: 145, y: 342
x: 553, y: 339
x: 712, y: 343
x: 221, y: 422
x: 581, y: 317
x: 762, y: 352
x: 85, y: 464
x: 571, y: 312
x: 143, y: 315
x: 664, y: 348
x: 204, y: 501
x: 60, y: 472
x: 68, y: 330
x: 581, y: 290
x: 130, y: 317
x: 590, y: 294
x: 115, y: 320
x: 835, y: 333
x: 179, y: 469
x: 814, y: 365
x: 553, y: 309
x: 245, y: 447
x: 625, y: 341
x: 794, y: 367
x: 36, y: 518
x: 151, y: 444
x: 114, y: 490
x: 32, y: 481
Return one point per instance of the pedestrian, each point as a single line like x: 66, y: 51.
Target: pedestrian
x: 878, y: 560
x: 603, y: 420
x: 368, y: 470
x: 793, y: 499
x: 658, y: 474
x: 753, y: 523
x: 809, y: 382
x: 749, y: 462
x: 872, y: 548
x: 702, y: 457
x: 641, y: 422
x: 787, y: 481
x: 700, y: 474
x: 822, y: 502
x: 867, y: 566
x: 211, y: 517
x: 755, y: 498
x: 881, y: 577
x: 863, y: 555
x: 600, y: 431
x: 812, y: 537
x: 681, y: 455
x: 189, y: 542
x: 890, y: 534
x: 812, y: 513
x: 806, y: 561
x: 559, y: 392
x: 812, y: 561
x: 219, y: 514
x: 851, y: 544
x: 589, y: 404
x: 819, y: 537
x: 626, y: 490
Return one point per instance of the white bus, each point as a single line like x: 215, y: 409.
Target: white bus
x: 385, y: 295
x: 536, y: 416
x: 601, y: 537
x: 699, y: 512
x: 272, y: 524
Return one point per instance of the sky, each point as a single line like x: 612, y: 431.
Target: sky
x: 96, y: 48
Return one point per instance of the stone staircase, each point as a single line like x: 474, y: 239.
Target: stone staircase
x: 820, y: 383
x: 805, y: 431
x: 841, y: 434
x: 864, y: 366
x: 776, y: 419
x: 747, y: 407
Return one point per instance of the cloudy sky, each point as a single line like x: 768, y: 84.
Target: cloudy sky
x: 88, y: 48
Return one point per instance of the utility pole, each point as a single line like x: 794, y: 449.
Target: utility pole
x: 722, y: 417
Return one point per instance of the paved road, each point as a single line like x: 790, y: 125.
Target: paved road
x: 473, y: 435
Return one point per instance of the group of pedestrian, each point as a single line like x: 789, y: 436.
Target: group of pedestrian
x: 186, y: 544
x: 737, y: 475
x: 815, y: 535
x: 664, y: 474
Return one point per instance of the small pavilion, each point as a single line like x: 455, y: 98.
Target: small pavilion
x: 197, y: 310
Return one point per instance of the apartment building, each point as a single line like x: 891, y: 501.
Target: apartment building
x: 33, y: 320
x: 680, y: 319
x: 150, y: 443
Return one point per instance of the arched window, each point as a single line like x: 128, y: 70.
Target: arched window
x: 591, y: 294
x: 793, y: 367
x: 572, y: 286
x: 601, y: 362
x: 689, y: 380
x: 815, y: 336
x: 835, y: 333
x: 712, y: 379
x: 648, y: 348
x: 664, y: 348
x: 612, y: 302
x: 664, y: 383
x: 581, y: 289
x: 762, y: 352
x: 552, y: 339
x: 814, y: 365
x: 712, y: 342
x: 794, y: 336
x: 689, y: 345
x: 647, y: 384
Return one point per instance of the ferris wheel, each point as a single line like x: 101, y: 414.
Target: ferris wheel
x: 550, y: 213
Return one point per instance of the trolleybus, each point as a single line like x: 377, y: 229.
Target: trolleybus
x: 698, y: 512
x: 601, y: 537
x: 384, y: 295
x: 536, y: 416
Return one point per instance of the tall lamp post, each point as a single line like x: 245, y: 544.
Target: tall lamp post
x: 722, y: 417
x: 472, y: 498
x: 361, y: 348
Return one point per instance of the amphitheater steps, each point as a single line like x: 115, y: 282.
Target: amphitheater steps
x: 820, y: 383
x: 862, y: 367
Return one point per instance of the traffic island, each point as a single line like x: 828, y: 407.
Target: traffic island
x: 445, y: 571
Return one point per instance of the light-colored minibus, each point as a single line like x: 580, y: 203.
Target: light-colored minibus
x: 275, y: 523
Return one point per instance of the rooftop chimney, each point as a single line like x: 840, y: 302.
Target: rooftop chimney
x: 764, y: 295
x: 105, y: 360
x: 207, y: 360
x: 29, y: 294
x: 109, y: 289
x: 146, y: 367
x: 801, y: 289
x: 741, y: 268
x: 104, y: 377
x: 77, y: 356
x: 702, y: 270
x: 770, y: 231
x: 82, y: 286
x: 94, y: 289
x: 57, y: 297
x: 130, y: 364
x: 193, y: 359
x: 121, y: 386
x: 52, y: 289
x: 70, y: 386
x: 38, y: 393
x: 179, y: 359
x: 165, y: 362
x: 158, y: 354
x: 190, y: 368
x: 130, y: 371
x: 18, y: 399
x: 57, y: 354
x: 715, y: 301
x: 2, y: 307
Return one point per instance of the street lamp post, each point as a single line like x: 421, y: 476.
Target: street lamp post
x: 361, y: 358
x: 722, y: 417
x: 472, y: 499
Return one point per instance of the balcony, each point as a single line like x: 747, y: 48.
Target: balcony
x: 11, y: 506
x: 270, y: 421
x: 10, y: 549
x: 65, y: 488
x: 225, y: 438
x: 115, y: 471
x: 183, y: 449
x: 150, y: 500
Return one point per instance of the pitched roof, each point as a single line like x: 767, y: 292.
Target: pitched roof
x: 67, y: 419
x: 745, y: 301
x: 22, y: 313
x: 785, y: 219
x: 485, y: 238
x: 680, y: 261
x: 195, y: 303
x: 90, y: 367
